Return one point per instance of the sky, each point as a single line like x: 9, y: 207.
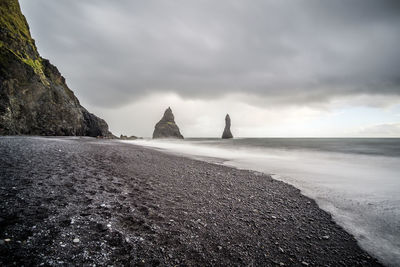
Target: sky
x: 280, y: 68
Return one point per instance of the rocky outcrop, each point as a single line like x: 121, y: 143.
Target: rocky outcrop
x: 166, y: 127
x: 125, y: 137
x: 227, y: 131
x: 34, y: 97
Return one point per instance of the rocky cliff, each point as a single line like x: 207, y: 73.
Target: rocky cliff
x: 34, y: 98
x: 227, y: 131
x: 166, y: 127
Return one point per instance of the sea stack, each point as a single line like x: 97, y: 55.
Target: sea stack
x: 227, y: 131
x: 166, y: 127
x: 34, y: 97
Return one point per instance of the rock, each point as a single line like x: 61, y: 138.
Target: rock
x: 101, y: 227
x: 305, y: 263
x: 76, y: 240
x: 34, y: 97
x: 166, y: 127
x: 326, y: 237
x: 227, y: 131
x: 125, y: 137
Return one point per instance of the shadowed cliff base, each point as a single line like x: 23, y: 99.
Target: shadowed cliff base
x: 34, y: 97
x: 85, y: 201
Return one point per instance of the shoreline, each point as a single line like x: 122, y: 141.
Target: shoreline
x: 89, y: 201
x: 350, y: 184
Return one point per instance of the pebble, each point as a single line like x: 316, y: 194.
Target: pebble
x: 273, y: 217
x: 281, y: 250
x: 219, y: 247
x: 101, y: 227
x: 7, y: 240
x: 76, y: 240
x: 325, y: 237
x: 304, y: 263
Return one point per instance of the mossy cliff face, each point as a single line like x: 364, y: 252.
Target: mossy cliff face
x: 34, y: 98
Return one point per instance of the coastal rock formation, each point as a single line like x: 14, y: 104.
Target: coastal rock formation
x: 227, y: 131
x: 34, y: 98
x: 166, y: 127
x: 125, y: 137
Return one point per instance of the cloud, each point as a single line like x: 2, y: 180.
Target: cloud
x: 288, y: 52
x: 381, y: 130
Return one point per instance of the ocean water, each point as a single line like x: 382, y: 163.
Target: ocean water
x: 356, y: 180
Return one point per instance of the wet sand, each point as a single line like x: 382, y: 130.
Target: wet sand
x: 84, y: 201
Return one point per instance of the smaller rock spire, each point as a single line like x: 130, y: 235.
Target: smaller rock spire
x: 227, y: 131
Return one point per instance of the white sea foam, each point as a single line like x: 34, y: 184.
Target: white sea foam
x: 361, y: 191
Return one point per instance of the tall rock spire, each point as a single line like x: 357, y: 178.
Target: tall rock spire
x: 166, y: 127
x: 227, y: 131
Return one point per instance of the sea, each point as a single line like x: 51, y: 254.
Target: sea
x: 356, y: 180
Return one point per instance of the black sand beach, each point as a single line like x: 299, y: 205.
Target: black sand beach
x: 86, y: 201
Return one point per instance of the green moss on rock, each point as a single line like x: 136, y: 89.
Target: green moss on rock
x: 12, y: 19
x: 16, y: 37
x: 36, y: 65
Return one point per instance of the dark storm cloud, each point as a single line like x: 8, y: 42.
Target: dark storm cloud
x: 113, y: 52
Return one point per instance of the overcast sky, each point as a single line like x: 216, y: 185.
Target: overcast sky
x: 279, y: 68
